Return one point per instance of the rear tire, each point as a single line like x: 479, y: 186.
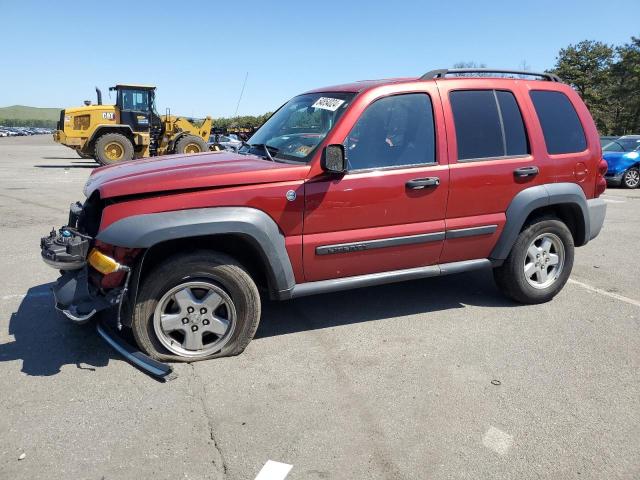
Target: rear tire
x: 84, y: 155
x: 196, y: 306
x: 190, y: 144
x: 539, y: 263
x: 113, y: 148
x: 631, y: 178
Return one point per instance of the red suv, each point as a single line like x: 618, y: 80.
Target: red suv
x: 343, y: 187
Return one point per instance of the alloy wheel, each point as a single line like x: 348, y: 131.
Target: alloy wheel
x: 544, y: 260
x: 632, y: 178
x: 194, y: 319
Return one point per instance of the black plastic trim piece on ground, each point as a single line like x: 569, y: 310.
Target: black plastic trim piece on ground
x: 159, y: 370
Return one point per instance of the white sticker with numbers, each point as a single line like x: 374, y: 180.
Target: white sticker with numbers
x: 328, y: 103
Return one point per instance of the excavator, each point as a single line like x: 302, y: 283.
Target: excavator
x: 129, y: 129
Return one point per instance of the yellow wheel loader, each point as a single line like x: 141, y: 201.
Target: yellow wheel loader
x: 129, y: 129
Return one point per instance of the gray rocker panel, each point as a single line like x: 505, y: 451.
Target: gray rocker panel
x: 381, y: 278
x: 144, y: 231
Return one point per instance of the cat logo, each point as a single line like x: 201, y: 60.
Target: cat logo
x: 108, y: 115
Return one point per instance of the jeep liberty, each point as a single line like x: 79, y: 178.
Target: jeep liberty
x: 343, y: 187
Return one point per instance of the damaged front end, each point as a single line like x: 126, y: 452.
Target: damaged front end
x: 91, y: 279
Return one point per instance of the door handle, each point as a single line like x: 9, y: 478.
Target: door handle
x: 523, y: 172
x: 420, y: 183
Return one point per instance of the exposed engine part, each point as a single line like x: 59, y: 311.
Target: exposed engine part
x: 65, y: 249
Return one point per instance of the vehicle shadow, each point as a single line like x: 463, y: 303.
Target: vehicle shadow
x: 67, y: 166
x: 429, y: 295
x: 45, y: 342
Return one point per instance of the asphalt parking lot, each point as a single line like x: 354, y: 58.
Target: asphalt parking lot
x: 431, y: 379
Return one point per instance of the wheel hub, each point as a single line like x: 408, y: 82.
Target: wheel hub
x: 192, y: 148
x: 194, y: 319
x: 544, y: 260
x: 114, y: 151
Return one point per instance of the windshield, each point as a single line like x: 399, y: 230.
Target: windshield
x: 298, y: 127
x: 623, y: 145
x: 134, y: 100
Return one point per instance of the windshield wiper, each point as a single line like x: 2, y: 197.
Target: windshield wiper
x: 266, y: 148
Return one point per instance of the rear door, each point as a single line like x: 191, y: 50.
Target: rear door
x: 492, y: 159
x: 387, y: 212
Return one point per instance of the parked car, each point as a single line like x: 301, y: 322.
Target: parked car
x: 343, y: 187
x: 227, y: 142
x: 606, y: 139
x: 623, y: 161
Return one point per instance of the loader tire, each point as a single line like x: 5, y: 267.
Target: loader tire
x: 191, y: 144
x: 113, y: 148
x: 84, y: 155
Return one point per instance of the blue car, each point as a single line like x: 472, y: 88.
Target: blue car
x: 623, y: 158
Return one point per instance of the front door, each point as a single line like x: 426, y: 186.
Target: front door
x: 134, y: 109
x: 387, y: 212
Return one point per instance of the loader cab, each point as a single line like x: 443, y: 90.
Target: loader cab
x: 136, y: 104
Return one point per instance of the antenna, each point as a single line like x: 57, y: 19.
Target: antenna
x: 241, y: 93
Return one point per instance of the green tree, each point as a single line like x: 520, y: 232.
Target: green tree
x: 587, y: 67
x: 625, y: 73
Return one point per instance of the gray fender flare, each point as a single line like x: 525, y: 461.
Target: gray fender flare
x: 526, y: 201
x: 147, y: 230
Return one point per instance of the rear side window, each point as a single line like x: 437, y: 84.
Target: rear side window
x: 563, y: 132
x: 488, y: 124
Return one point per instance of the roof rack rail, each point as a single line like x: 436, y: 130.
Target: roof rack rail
x: 441, y: 73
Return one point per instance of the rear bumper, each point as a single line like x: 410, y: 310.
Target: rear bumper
x: 597, y: 211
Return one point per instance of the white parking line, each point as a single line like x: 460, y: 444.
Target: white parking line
x: 497, y: 440
x: 608, y: 200
x: 622, y: 298
x: 274, y: 471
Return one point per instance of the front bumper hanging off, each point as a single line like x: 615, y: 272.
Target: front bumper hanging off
x: 160, y: 370
x: 68, y: 250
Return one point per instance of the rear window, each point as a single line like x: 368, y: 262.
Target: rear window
x: 488, y: 124
x: 563, y: 132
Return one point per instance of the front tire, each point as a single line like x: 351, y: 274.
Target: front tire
x: 631, y: 178
x: 191, y: 144
x: 196, y: 306
x: 84, y: 155
x: 539, y: 263
x: 113, y: 148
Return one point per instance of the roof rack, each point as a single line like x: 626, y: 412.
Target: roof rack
x: 441, y: 73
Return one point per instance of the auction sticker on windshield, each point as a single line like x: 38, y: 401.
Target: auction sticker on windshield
x: 328, y: 103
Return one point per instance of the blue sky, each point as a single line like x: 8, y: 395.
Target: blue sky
x: 53, y: 53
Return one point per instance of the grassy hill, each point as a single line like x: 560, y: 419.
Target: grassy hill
x: 19, y: 115
x: 20, y: 112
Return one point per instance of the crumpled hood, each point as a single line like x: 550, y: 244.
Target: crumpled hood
x: 183, y: 172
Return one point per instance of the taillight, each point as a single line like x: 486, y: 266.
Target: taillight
x: 601, y: 182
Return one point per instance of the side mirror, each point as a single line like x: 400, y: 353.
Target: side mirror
x: 333, y: 159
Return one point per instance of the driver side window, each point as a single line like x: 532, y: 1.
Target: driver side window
x: 393, y: 131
